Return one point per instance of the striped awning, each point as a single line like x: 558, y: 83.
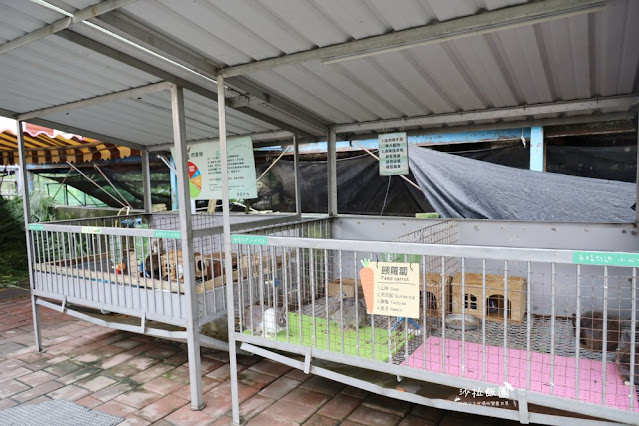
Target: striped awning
x: 46, y: 147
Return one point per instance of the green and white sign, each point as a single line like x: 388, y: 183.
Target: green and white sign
x: 91, y: 230
x: 393, y: 154
x: 36, y: 227
x: 605, y: 258
x: 205, y: 169
x: 176, y: 235
x: 257, y: 240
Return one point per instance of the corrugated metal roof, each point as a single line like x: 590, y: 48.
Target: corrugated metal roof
x: 579, y: 57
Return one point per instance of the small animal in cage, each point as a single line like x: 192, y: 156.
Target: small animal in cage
x: 152, y: 262
x: 268, y: 320
x: 623, y: 359
x: 592, y: 331
x: 351, y: 316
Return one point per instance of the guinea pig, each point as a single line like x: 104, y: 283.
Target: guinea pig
x: 591, y: 331
x: 623, y: 360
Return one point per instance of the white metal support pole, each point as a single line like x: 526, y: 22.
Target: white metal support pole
x: 186, y: 230
x: 27, y: 218
x: 332, y: 172
x: 537, y: 149
x: 296, y: 158
x: 637, y: 198
x: 228, y: 263
x: 146, y: 181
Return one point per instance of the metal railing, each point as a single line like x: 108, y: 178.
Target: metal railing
x: 483, y: 334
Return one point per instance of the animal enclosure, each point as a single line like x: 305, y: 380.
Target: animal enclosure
x: 522, y: 343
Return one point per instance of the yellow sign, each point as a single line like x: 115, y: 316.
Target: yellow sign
x: 394, y: 290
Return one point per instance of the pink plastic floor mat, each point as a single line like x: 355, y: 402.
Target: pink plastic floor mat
x: 590, y: 372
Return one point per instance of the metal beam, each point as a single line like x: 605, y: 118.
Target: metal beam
x: 151, y: 40
x: 167, y: 76
x: 186, y: 229
x: 146, y: 182
x: 544, y: 122
x: 485, y: 23
x: 27, y: 218
x: 332, y: 173
x: 228, y: 262
x: 273, y: 135
x: 619, y: 102
x: 97, y: 100
x: 637, y: 198
x: 64, y: 23
x: 75, y: 130
x: 537, y: 150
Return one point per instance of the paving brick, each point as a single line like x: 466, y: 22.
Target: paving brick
x: 35, y: 401
x: 290, y: 411
x: 63, y: 368
x: 12, y: 387
x: 95, y: 383
x: 185, y: 391
x: 216, y: 406
x: 319, y: 420
x: 112, y: 391
x: 271, y: 368
x: 177, y: 359
x: 11, y: 364
x: 255, y: 379
x: 428, y: 413
x: 280, y: 387
x: 224, y: 389
x: 37, y: 391
x: 142, y: 362
x: 114, y: 360
x: 89, y: 358
x: 70, y: 393
x: 298, y: 375
x: 161, y: 352
x: 12, y: 374
x: 224, y: 372
x: 138, y: 398
x: 411, y: 420
x: 186, y: 416
x: 178, y: 374
x: 322, y: 385
x: 89, y: 402
x: 121, y: 372
x: 223, y: 421
x: 340, y: 407
x: 133, y: 420
x: 115, y: 408
x: 370, y: 417
x: 128, y: 343
x: 254, y: 405
x: 268, y: 419
x: 455, y: 419
x: 305, y: 397
x: 387, y: 405
x: 222, y: 356
x: 78, y: 375
x: 151, y: 373
x: 7, y: 403
x: 161, y: 408
x: 356, y: 392
x: 162, y: 385
x: 36, y: 378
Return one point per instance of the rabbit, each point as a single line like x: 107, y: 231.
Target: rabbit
x: 622, y: 359
x: 591, y: 331
x: 272, y: 321
x: 351, y: 318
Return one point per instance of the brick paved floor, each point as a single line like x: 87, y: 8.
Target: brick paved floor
x: 145, y: 380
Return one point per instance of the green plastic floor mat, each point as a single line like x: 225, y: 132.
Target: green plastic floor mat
x: 331, y: 339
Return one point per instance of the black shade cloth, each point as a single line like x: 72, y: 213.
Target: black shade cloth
x: 465, y: 188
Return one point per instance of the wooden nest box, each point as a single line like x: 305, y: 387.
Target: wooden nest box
x: 495, y: 303
x: 434, y: 302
